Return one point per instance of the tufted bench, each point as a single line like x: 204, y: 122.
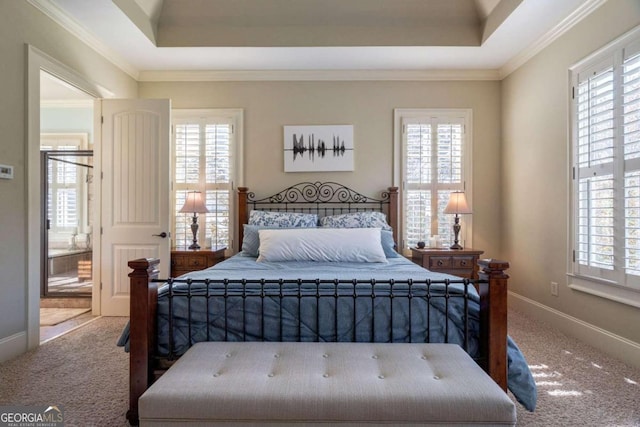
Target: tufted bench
x: 345, y: 384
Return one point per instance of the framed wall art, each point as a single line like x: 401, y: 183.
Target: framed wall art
x: 322, y: 148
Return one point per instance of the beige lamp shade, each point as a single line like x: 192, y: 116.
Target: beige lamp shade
x: 457, y: 204
x: 194, y: 203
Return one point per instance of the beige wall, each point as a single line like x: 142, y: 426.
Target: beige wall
x: 368, y: 106
x: 20, y: 24
x: 536, y: 167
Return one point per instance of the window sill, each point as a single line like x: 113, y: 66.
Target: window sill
x: 604, y: 290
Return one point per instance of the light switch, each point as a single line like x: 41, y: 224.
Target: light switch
x: 6, y: 172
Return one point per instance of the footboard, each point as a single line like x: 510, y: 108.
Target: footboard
x: 492, y: 288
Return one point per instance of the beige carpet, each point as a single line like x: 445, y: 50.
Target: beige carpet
x: 53, y: 316
x: 87, y: 374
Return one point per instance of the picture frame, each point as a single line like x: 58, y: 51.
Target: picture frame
x: 318, y: 148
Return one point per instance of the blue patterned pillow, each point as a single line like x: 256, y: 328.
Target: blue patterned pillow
x: 366, y: 219
x: 282, y: 219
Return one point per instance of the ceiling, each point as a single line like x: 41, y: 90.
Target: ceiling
x: 54, y: 91
x: 156, y: 39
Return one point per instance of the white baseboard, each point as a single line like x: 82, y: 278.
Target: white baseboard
x: 619, y: 347
x: 13, y: 346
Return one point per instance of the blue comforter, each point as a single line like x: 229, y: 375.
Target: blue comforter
x: 200, y: 313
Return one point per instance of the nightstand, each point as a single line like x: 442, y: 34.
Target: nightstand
x: 459, y: 262
x: 185, y: 260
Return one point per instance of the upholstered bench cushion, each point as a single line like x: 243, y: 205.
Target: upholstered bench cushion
x: 257, y: 383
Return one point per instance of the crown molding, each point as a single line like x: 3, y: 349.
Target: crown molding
x: 317, y: 75
x: 552, y: 35
x: 52, y: 11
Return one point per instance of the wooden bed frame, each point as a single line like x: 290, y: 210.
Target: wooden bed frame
x: 492, y: 284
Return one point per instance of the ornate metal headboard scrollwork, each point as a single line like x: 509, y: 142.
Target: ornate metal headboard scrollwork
x: 321, y: 198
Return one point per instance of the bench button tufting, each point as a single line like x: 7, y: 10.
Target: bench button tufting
x: 276, y: 355
x: 325, y: 355
x: 381, y: 377
x: 435, y: 377
x: 424, y: 357
x: 325, y: 375
x: 270, y: 375
x: 216, y: 375
x: 374, y: 357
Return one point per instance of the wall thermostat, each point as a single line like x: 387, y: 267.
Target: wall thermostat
x: 6, y: 172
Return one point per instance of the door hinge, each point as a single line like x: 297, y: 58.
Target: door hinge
x: 573, y: 92
x: 101, y: 231
x: 100, y: 285
x: 574, y: 255
x: 101, y: 120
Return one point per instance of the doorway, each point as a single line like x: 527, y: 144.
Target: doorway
x: 66, y: 206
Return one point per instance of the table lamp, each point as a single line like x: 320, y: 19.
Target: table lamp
x: 457, y: 205
x: 194, y: 204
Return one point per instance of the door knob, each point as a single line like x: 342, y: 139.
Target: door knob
x: 163, y: 235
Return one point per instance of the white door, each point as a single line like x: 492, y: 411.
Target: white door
x: 134, y: 196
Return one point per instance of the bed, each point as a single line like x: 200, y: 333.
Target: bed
x: 293, y: 282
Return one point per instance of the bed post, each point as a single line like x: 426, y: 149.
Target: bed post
x: 142, y: 329
x: 393, y: 211
x: 493, y: 318
x: 243, y: 213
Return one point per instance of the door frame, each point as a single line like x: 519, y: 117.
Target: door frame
x: 37, y: 61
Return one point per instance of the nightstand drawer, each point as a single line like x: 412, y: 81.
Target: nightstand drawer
x: 184, y: 261
x: 197, y: 262
x: 440, y: 262
x: 458, y: 262
x: 463, y: 262
x: 179, y: 261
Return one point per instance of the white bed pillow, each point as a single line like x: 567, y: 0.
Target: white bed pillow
x: 321, y: 244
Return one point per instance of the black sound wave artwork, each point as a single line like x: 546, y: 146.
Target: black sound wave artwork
x: 318, y: 148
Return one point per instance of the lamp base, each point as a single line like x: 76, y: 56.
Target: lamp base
x: 194, y: 230
x: 456, y: 231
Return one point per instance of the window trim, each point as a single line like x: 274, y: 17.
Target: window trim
x: 235, y: 115
x: 581, y: 282
x: 400, y: 114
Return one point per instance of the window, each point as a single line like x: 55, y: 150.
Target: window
x: 205, y: 158
x: 435, y: 161
x: 606, y: 164
x: 68, y: 177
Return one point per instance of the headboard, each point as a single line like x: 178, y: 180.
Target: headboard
x: 321, y: 198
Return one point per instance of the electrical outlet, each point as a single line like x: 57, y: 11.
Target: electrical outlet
x: 554, y: 289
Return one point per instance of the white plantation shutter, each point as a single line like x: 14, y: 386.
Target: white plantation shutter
x: 203, y: 160
x: 64, y: 180
x: 607, y: 167
x: 434, y: 164
x: 631, y: 138
x: 595, y: 151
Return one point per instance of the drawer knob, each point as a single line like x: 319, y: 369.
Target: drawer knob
x: 440, y: 263
x: 463, y: 263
